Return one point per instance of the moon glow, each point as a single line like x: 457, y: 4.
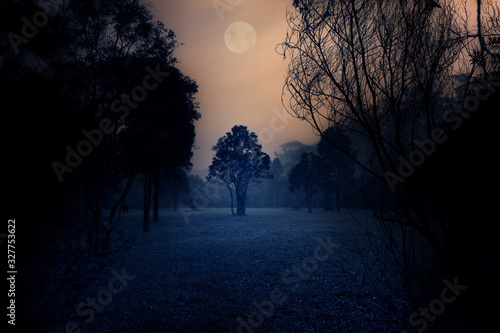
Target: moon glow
x: 240, y: 37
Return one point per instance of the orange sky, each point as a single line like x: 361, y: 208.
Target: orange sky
x: 234, y: 89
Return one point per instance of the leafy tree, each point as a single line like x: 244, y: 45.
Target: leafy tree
x: 63, y: 81
x: 160, y: 135
x: 277, y: 169
x: 290, y: 152
x: 277, y: 183
x: 238, y: 162
x: 305, y: 175
x: 177, y: 185
x: 337, y: 169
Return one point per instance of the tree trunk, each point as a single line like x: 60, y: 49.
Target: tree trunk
x: 147, y: 201
x: 156, y: 195
x: 97, y: 230
x: 238, y: 207
x: 240, y: 202
x: 338, y: 197
x: 309, y: 196
x: 118, y: 203
x: 231, y: 193
x: 275, y: 195
x: 114, y: 215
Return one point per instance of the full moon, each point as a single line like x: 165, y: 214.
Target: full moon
x: 240, y: 37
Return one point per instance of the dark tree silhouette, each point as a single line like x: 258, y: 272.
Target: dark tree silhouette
x: 306, y: 175
x: 177, y: 184
x: 238, y: 162
x: 160, y: 135
x: 277, y: 184
x: 63, y: 81
x: 337, y: 169
x: 398, y: 74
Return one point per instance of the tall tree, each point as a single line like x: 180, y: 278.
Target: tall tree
x: 238, y: 162
x: 277, y: 183
x: 177, y: 185
x: 392, y: 72
x: 90, y: 55
x: 64, y: 76
x: 337, y: 168
x: 160, y: 134
x: 306, y: 175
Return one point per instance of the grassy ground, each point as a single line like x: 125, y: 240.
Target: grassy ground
x: 268, y: 271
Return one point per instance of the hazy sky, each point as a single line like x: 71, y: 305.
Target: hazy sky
x: 234, y: 89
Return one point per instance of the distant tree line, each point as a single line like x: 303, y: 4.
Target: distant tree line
x: 299, y: 177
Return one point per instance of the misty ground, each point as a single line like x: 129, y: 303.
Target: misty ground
x: 201, y: 274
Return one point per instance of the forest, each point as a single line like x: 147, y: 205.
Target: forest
x: 100, y: 127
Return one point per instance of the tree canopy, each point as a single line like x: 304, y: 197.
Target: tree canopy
x: 337, y: 169
x: 94, y: 102
x: 306, y: 176
x: 238, y: 162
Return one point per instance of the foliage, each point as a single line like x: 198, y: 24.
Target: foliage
x: 337, y: 169
x: 238, y: 162
x: 78, y: 69
x: 305, y: 175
